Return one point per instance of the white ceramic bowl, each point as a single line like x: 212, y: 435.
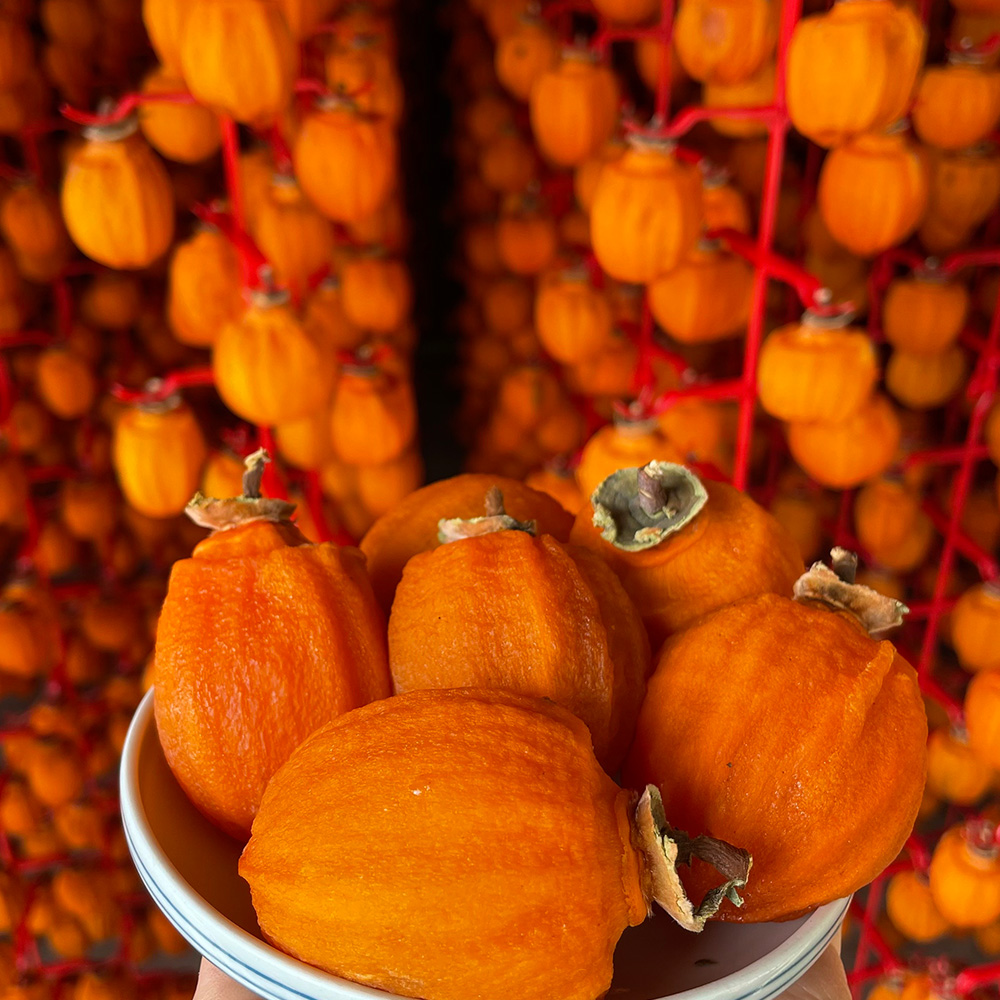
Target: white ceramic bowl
x: 189, y: 868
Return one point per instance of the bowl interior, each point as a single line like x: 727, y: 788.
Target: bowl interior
x: 652, y: 961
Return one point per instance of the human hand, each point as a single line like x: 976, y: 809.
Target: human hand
x: 216, y: 985
x: 826, y: 980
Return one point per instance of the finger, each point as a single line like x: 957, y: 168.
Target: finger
x: 216, y: 985
x: 826, y: 980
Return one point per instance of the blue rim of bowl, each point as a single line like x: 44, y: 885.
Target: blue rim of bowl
x: 253, y: 978
x: 129, y: 792
x: 223, y: 960
x: 256, y: 980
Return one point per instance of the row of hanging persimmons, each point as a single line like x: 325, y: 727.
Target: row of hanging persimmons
x: 534, y: 294
x: 107, y: 529
x: 334, y: 292
x: 221, y: 491
x: 531, y: 295
x: 58, y: 812
x: 817, y: 375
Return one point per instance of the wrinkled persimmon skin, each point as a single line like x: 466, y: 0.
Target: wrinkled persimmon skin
x: 783, y: 728
x: 412, y: 525
x: 262, y: 639
x: 450, y: 845
x: 525, y: 614
x: 732, y: 549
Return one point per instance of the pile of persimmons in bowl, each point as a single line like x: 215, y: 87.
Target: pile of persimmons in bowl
x: 463, y: 760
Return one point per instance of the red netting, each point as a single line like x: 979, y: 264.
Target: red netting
x: 957, y: 455
x: 131, y: 941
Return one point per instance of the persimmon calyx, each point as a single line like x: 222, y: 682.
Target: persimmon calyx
x: 835, y: 587
x: 155, y: 401
x: 665, y: 848
x: 980, y: 838
x: 231, y: 512
x: 454, y: 529
x: 112, y: 131
x: 636, y: 509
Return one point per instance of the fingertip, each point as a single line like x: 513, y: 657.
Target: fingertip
x: 216, y: 985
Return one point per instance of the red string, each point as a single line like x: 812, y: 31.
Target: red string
x: 122, y: 108
x: 930, y: 686
x: 944, y: 455
x: 790, y: 13
x: 280, y: 152
x: 920, y: 610
x: 664, y: 34
x: 314, y: 501
x: 157, y: 390
x: 917, y: 850
x: 771, y: 115
x: 984, y: 562
x: 715, y: 392
x: 234, y: 191
x: 970, y: 258
x: 971, y: 979
x: 272, y: 484
x: 252, y: 260
x: 870, y: 939
x: 807, y: 286
x: 960, y: 492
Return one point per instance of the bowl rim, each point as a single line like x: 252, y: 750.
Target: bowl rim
x: 227, y: 938
x: 229, y: 946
